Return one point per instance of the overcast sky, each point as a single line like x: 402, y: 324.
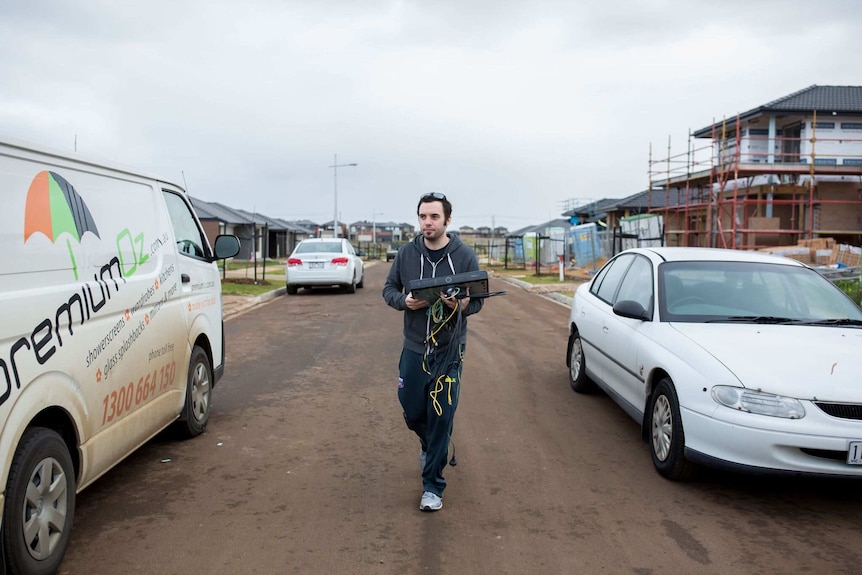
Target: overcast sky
x: 511, y: 108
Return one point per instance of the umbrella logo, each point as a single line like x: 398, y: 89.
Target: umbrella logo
x: 54, y: 208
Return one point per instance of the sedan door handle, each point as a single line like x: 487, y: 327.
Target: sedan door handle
x: 185, y: 277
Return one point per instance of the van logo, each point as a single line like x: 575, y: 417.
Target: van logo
x: 53, y: 208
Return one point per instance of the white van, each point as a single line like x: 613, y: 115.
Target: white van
x: 110, y: 331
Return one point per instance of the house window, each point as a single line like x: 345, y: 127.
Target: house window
x: 851, y: 125
x: 824, y: 125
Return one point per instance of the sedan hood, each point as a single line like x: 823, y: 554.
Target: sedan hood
x: 805, y: 362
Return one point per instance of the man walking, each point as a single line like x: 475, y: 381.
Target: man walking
x: 429, y: 379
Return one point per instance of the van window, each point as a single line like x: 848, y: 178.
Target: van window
x: 190, y: 241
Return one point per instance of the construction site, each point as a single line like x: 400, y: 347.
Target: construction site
x: 785, y: 177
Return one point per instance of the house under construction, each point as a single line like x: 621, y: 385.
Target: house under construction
x: 786, y: 171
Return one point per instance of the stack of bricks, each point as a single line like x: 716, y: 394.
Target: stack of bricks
x: 819, y: 252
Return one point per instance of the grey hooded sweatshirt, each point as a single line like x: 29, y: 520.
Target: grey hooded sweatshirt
x: 413, y: 262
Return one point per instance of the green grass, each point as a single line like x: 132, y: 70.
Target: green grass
x: 241, y: 276
x: 544, y: 279
x: 233, y: 265
x: 852, y: 288
x: 529, y: 275
x: 241, y: 286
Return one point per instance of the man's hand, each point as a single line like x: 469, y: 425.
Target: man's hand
x: 453, y: 302
x: 413, y: 303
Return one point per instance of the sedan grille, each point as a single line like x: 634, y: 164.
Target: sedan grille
x: 822, y: 453
x: 842, y: 410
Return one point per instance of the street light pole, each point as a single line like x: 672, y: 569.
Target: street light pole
x: 373, y: 227
x: 335, y: 165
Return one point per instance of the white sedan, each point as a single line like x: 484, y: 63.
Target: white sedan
x: 725, y: 358
x: 324, y: 262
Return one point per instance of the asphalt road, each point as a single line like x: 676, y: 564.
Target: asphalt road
x: 307, y: 467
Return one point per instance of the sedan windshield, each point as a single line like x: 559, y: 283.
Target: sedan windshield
x: 752, y: 292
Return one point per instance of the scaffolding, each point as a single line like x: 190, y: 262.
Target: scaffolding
x: 749, y: 189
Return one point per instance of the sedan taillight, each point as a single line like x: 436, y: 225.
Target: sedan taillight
x: 339, y: 261
x: 294, y: 262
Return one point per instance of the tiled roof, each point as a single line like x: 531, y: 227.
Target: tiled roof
x: 258, y: 218
x: 821, y: 98
x: 232, y: 215
x: 203, y: 209
x: 378, y: 224
x: 634, y: 201
x: 294, y: 227
x: 304, y: 223
x: 842, y: 100
x: 593, y: 208
x: 647, y: 199
x: 651, y: 199
x: 558, y: 223
x: 216, y: 211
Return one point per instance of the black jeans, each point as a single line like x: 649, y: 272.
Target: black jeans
x: 429, y: 402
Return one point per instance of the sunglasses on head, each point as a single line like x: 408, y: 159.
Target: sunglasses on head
x: 434, y: 196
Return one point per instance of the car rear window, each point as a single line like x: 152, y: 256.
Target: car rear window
x: 319, y: 247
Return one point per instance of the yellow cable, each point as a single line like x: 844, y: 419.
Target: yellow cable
x: 438, y: 387
x: 436, y: 315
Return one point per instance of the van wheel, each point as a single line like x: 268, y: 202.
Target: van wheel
x: 40, y: 503
x: 196, y: 413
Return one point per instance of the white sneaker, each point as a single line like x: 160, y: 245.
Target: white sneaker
x: 423, y: 455
x: 430, y: 502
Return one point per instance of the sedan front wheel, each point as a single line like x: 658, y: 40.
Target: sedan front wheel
x: 667, y: 438
x: 577, y: 366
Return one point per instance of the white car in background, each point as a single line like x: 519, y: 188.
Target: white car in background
x: 324, y: 262
x: 725, y: 358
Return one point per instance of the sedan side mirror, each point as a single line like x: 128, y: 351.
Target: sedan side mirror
x: 631, y: 309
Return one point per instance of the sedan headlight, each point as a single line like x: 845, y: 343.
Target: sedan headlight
x: 758, y: 402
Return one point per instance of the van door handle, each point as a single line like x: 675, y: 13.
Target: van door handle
x: 185, y: 277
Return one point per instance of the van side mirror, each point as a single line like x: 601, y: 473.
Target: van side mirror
x: 226, y: 246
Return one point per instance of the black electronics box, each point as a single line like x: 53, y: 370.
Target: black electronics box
x: 430, y: 289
